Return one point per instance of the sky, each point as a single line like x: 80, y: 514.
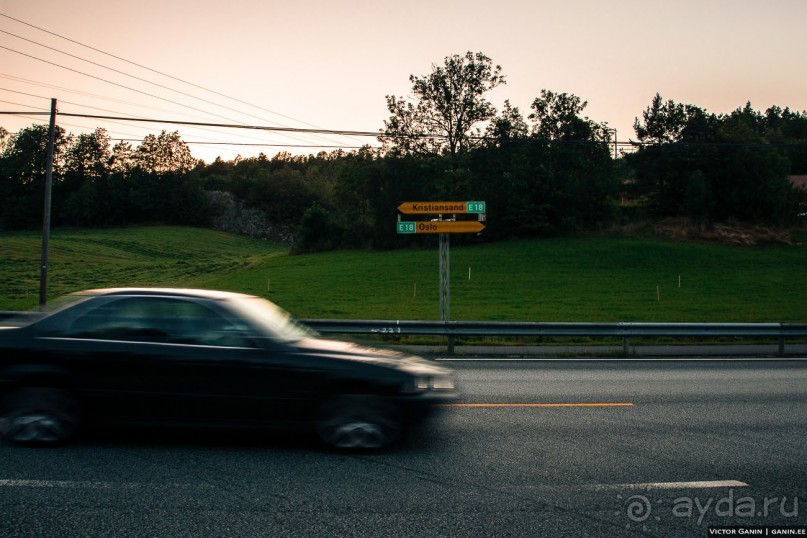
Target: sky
x: 325, y: 64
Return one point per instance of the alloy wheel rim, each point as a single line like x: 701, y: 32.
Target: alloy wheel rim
x: 358, y: 434
x: 37, y: 427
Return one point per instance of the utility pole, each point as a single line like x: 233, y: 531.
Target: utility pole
x: 43, y: 276
x: 615, y: 145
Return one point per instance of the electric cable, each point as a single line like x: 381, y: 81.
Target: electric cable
x: 154, y: 71
x: 123, y: 86
x: 157, y: 72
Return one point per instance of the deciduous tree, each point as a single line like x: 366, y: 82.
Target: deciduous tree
x: 449, y: 105
x: 557, y: 116
x: 166, y: 153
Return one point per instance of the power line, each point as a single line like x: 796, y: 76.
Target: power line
x: 161, y: 74
x: 185, y: 94
x: 203, y: 143
x: 113, y: 83
x: 18, y: 104
x: 24, y: 112
x: 281, y: 130
x: 79, y: 92
x: 271, y: 145
x: 246, y: 144
x: 423, y: 135
x: 126, y: 124
x: 239, y: 126
x: 147, y: 68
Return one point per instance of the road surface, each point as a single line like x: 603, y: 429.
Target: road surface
x: 668, y: 448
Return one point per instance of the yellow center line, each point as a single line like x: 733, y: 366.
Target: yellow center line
x: 606, y: 404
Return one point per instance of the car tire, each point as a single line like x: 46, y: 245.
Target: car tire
x: 358, y: 422
x: 38, y: 417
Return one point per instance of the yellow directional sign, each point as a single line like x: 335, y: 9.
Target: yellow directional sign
x: 441, y: 227
x: 439, y: 208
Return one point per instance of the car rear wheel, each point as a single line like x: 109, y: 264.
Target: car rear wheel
x: 38, y: 416
x: 358, y: 422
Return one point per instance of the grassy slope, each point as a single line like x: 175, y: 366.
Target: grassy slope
x: 147, y: 256
x: 596, y: 279
x: 549, y: 280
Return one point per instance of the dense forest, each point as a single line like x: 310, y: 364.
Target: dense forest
x: 550, y: 172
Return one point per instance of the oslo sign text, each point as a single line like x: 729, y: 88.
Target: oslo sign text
x: 440, y: 227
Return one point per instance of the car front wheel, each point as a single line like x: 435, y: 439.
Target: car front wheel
x: 38, y: 416
x: 358, y: 422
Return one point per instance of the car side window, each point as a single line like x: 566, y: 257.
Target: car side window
x: 159, y: 320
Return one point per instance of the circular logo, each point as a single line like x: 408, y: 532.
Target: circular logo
x: 638, y: 508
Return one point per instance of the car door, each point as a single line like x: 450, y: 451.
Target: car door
x: 148, y: 357
x: 181, y: 359
x: 246, y: 375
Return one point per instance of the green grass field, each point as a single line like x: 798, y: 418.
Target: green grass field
x: 575, y: 279
x: 147, y: 256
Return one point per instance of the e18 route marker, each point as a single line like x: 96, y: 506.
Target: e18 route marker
x: 441, y: 208
x: 440, y: 227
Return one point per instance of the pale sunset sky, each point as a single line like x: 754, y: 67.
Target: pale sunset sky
x: 304, y: 63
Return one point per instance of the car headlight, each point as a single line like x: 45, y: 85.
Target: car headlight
x: 424, y: 383
x: 443, y: 382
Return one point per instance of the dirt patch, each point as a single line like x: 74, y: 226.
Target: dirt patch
x: 730, y: 234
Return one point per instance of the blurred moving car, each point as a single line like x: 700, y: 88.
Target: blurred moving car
x: 198, y: 356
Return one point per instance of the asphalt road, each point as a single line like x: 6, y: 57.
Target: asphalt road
x: 679, y: 446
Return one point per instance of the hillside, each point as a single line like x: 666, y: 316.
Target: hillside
x: 139, y: 256
x: 574, y: 279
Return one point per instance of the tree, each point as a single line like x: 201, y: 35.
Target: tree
x: 790, y: 129
x: 507, y: 126
x: 449, y: 106
x: 26, y: 152
x: 317, y: 231
x: 22, y: 175
x: 166, y: 153
x: 672, y: 122
x: 3, y: 139
x: 713, y: 168
x: 122, y: 160
x: 556, y: 116
x: 88, y: 156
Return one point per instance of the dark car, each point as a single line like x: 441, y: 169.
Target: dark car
x: 203, y: 357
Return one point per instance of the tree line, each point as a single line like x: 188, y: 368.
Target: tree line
x: 96, y: 183
x: 546, y: 173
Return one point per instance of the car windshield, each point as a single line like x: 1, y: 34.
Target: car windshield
x: 66, y: 301
x: 271, y: 317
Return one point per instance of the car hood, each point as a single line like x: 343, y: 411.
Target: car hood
x: 356, y: 352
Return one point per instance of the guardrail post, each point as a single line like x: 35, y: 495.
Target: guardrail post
x: 450, y: 345
x: 781, y: 345
x: 625, y: 346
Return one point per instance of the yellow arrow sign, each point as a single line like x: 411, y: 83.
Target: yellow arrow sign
x: 432, y: 208
x: 447, y: 227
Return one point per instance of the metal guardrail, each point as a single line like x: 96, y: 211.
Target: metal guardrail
x: 19, y: 317
x: 453, y: 329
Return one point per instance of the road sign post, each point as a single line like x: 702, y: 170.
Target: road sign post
x: 443, y: 228
x: 445, y: 282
